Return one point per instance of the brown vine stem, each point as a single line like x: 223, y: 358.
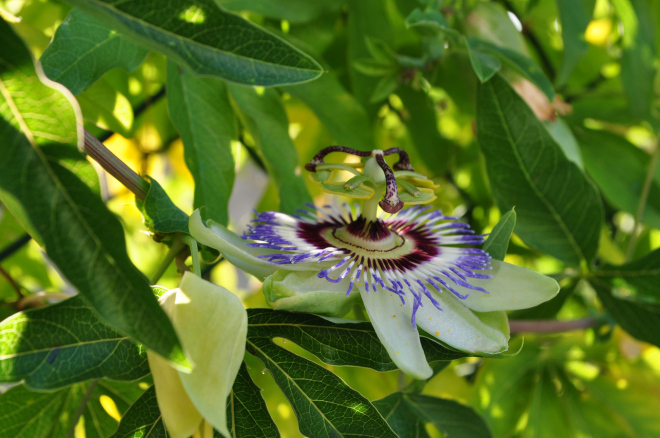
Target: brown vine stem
x: 642, y: 200
x: 115, y: 167
x: 550, y: 325
x: 81, y: 408
x: 12, y: 282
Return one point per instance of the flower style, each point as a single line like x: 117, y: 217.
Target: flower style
x: 407, y: 267
x: 212, y: 325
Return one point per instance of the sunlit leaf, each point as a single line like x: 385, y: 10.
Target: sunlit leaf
x: 206, y: 39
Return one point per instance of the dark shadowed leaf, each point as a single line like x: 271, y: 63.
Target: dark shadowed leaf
x: 294, y: 11
x: 324, y: 404
x: 637, y: 281
x: 70, y: 221
x: 637, y: 58
x: 339, y: 111
x: 641, y: 321
x: 142, y: 420
x: 401, y: 418
x: 454, y: 419
x: 247, y: 414
x: 84, y: 49
x: 421, y: 121
x: 206, y: 39
x: 619, y: 168
x: 201, y: 112
x: 575, y: 16
x: 268, y: 124
x: 558, y: 208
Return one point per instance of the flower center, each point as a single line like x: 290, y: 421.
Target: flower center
x: 369, y: 238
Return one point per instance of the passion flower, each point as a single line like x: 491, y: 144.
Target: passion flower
x: 412, y: 268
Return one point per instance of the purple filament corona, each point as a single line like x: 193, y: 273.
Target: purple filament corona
x: 433, y: 255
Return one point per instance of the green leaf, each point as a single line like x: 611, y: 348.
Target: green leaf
x: 107, y: 108
x: 429, y: 23
x: 367, y: 20
x: 344, y: 117
x: 268, y: 124
x: 399, y: 415
x: 498, y: 239
x: 574, y: 16
x: 201, y: 112
x: 619, y: 168
x: 142, y: 420
x: 422, y: 124
x: 324, y: 404
x: 84, y: 49
x: 247, y: 414
x: 98, y: 421
x: 558, y: 209
x: 636, y: 281
x: 518, y: 62
x: 453, y: 418
x: 565, y: 139
x: 641, y: 321
x: 637, y: 59
x: 384, y: 87
x: 24, y: 413
x: 348, y: 344
x: 206, y: 39
x: 484, y: 65
x: 78, y: 232
x: 293, y: 11
x: 376, y: 67
x: 160, y: 213
x: 65, y: 343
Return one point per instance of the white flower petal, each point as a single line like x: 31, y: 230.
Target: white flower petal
x: 180, y: 415
x: 212, y: 325
x: 459, y: 327
x: 511, y: 288
x: 392, y: 322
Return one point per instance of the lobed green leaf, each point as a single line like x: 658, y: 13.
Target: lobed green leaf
x: 347, y: 344
x: 324, y: 404
x: 247, y: 414
x: 65, y: 343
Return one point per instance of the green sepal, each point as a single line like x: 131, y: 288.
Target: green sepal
x: 305, y: 292
x: 320, y: 176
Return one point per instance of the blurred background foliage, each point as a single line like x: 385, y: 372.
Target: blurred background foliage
x: 397, y: 77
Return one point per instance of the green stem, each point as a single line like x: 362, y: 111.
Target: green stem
x: 194, y: 253
x: 175, y: 249
x: 115, y: 167
x: 642, y: 200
